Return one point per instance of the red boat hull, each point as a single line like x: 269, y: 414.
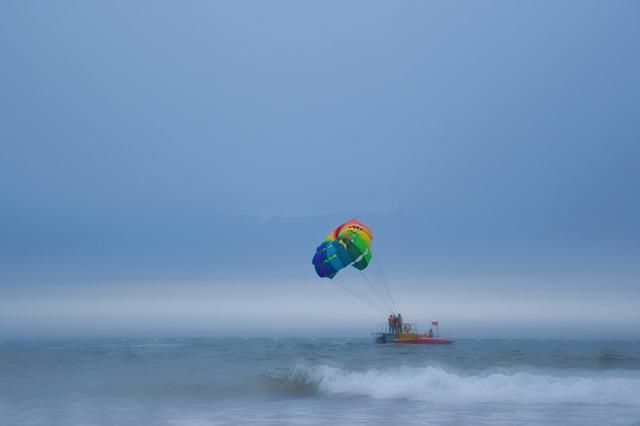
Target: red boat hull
x: 423, y: 341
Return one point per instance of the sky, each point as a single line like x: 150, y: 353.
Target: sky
x: 168, y: 168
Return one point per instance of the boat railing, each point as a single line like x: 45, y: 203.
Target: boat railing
x: 412, y: 328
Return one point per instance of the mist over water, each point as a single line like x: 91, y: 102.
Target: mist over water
x: 467, y: 308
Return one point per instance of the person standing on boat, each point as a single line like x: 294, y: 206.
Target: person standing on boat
x: 399, y: 323
x: 390, y: 320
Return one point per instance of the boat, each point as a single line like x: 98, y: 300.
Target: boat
x: 422, y: 340
x: 409, y: 335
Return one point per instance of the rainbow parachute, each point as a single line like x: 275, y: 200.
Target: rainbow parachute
x: 348, y: 244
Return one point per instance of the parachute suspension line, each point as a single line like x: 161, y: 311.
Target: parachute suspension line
x: 364, y: 289
x: 378, y: 266
x: 371, y: 286
x: 361, y: 283
x: 368, y: 287
x: 354, y: 288
x: 359, y: 296
x: 384, y: 289
x: 380, y: 296
x: 357, y: 286
x: 378, y: 285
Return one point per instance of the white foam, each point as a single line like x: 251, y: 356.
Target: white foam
x: 437, y: 384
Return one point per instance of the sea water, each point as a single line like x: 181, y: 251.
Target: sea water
x: 318, y: 381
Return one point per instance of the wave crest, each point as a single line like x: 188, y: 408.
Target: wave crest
x: 439, y: 385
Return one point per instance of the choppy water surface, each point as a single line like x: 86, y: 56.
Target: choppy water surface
x: 317, y: 381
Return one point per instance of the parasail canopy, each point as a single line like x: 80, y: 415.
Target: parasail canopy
x: 348, y: 244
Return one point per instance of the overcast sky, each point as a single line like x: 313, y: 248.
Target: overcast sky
x: 170, y: 167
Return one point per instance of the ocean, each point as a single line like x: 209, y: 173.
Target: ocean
x: 306, y: 381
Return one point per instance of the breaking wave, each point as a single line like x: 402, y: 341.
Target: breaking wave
x: 436, y: 384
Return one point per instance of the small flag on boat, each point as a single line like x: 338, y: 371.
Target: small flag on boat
x: 434, y: 322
